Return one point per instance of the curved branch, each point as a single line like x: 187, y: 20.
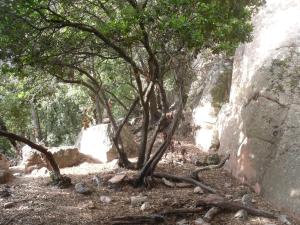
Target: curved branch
x: 39, y: 148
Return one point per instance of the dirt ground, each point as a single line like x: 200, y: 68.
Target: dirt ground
x: 34, y: 202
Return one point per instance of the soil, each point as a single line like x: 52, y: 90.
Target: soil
x: 34, y: 202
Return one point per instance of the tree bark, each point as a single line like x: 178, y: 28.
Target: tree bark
x: 37, y: 131
x: 98, y: 108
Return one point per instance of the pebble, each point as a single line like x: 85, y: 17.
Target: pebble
x: 105, y: 199
x: 145, y: 205
x: 137, y: 200
x: 82, y: 188
x: 182, y: 222
x: 198, y: 190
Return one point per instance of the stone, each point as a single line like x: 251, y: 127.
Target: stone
x: 284, y: 220
x: 96, y: 143
x: 96, y: 180
x: 182, y: 222
x: 42, y: 172
x: 137, y: 200
x: 200, y: 221
x: 241, y: 215
x: 168, y: 183
x: 117, y: 179
x: 82, y: 188
x: 227, y: 185
x: 260, y: 125
x: 198, y: 190
x: 65, y: 156
x: 105, y: 199
x: 207, y: 94
x: 145, y: 206
x: 212, y: 159
x: 4, y: 163
x: 9, y: 205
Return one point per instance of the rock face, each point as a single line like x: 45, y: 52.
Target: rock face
x: 260, y: 125
x: 65, y: 156
x: 95, y: 142
x: 209, y: 92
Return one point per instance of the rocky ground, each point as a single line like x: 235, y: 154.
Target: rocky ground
x: 29, y: 200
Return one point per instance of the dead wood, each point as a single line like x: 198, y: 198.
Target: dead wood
x: 185, y: 179
x: 151, y: 219
x: 210, y: 167
x: 233, y: 207
x: 211, y: 214
x: 180, y: 211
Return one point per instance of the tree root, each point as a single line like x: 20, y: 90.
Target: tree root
x: 210, y: 167
x: 234, y: 207
x: 186, y: 179
x: 151, y: 219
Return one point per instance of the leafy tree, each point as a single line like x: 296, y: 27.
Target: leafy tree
x: 71, y: 40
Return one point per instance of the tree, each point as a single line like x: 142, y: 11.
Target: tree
x: 152, y: 38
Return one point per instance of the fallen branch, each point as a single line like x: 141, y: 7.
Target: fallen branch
x: 233, y: 207
x: 186, y: 179
x: 181, y: 211
x: 210, y: 167
x: 151, y: 219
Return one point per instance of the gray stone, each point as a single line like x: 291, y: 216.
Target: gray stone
x: 82, y: 188
x: 65, y: 156
x: 260, y: 126
x: 138, y: 200
x: 207, y: 94
x: 96, y: 143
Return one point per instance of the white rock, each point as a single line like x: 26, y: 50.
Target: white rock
x: 117, y: 178
x: 105, y: 199
x: 145, y: 205
x: 137, y: 200
x: 182, y: 222
x: 198, y: 190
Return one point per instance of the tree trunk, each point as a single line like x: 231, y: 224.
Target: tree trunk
x: 99, y: 109
x: 12, y: 141
x: 37, y: 131
x: 153, y: 107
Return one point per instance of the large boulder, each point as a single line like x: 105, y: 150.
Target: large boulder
x: 260, y: 126
x: 208, y: 93
x: 65, y: 156
x: 96, y: 143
